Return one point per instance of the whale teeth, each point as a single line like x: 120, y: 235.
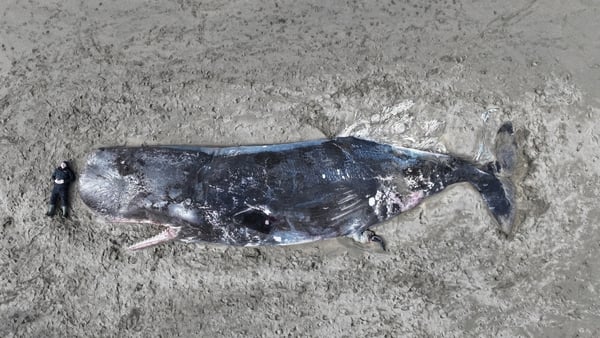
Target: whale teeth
x: 167, y: 235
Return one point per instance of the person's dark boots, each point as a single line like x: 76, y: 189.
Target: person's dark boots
x: 50, y: 212
x: 64, y: 212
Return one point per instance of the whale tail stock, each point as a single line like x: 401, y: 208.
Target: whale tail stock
x: 493, y: 180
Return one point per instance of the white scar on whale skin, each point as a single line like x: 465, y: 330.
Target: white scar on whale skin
x: 389, y: 197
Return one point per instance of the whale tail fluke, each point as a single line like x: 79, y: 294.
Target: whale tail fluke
x: 499, y: 195
x: 494, y: 182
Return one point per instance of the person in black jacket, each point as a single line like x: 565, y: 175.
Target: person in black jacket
x: 62, y: 177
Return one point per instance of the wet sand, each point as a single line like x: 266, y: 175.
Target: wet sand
x: 436, y: 75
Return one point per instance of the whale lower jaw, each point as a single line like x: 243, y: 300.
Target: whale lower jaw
x: 169, y: 234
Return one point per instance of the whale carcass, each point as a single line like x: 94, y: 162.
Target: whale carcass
x: 284, y: 193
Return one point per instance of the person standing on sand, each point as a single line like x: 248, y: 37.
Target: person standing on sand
x: 62, y: 177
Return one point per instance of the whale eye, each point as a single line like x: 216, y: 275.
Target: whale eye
x: 255, y: 219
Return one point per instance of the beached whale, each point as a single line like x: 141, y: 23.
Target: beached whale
x: 285, y: 193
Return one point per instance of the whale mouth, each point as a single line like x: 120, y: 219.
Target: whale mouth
x: 110, y: 186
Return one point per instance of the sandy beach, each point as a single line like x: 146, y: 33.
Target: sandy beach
x: 437, y: 75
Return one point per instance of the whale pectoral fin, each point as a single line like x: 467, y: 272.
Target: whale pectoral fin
x: 367, y: 237
x: 167, y: 235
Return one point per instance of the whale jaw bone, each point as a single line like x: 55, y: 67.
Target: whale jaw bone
x: 167, y: 235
